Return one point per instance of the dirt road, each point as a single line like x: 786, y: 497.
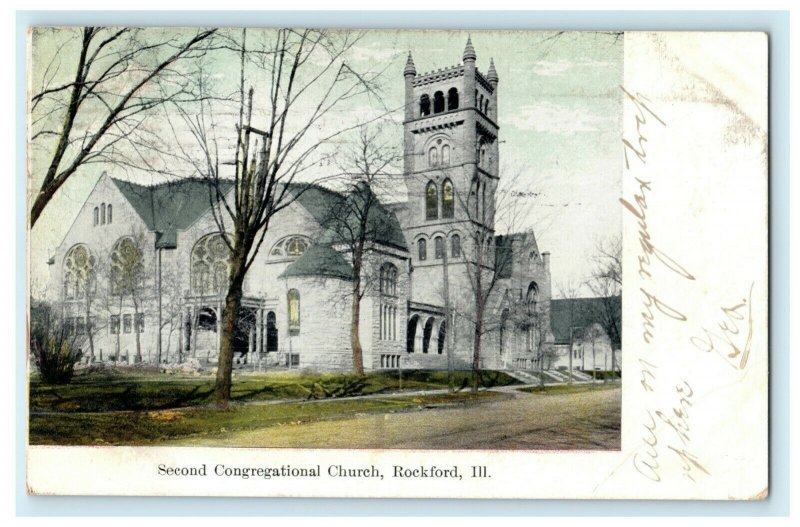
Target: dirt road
x: 522, y: 421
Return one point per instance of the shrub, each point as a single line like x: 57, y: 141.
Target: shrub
x: 53, y: 352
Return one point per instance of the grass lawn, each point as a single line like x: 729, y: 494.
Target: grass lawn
x: 139, y: 407
x: 563, y: 389
x: 158, y: 426
x: 142, y: 391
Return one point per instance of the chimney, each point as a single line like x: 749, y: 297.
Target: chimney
x: 546, y: 260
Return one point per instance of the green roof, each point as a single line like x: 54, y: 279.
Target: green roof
x: 342, y: 223
x: 169, y: 207
x: 319, y: 260
x: 585, y: 312
x: 318, y: 201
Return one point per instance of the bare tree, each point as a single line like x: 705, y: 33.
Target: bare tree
x: 489, y: 256
x: 606, y: 284
x: 593, y: 334
x: 94, y: 291
x: 276, y: 140
x: 569, y: 291
x: 539, y: 324
x: 361, y: 221
x: 84, y: 115
x: 128, y: 279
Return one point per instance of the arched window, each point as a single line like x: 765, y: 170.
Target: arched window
x: 483, y: 201
x: 486, y: 106
x: 411, y: 333
x: 452, y: 99
x: 431, y: 201
x: 103, y: 214
x: 220, y: 277
x: 503, y: 321
x: 446, y: 155
x: 209, y: 265
x: 438, y: 102
x: 108, y: 214
x: 272, y: 332
x: 96, y: 216
x: 200, y: 273
x: 455, y: 246
x: 532, y: 298
x: 388, y: 279
x: 438, y: 248
x: 441, y: 341
x: 448, y: 200
x: 422, y: 247
x: 480, y: 102
x: 477, y: 194
x: 433, y: 157
x: 127, y: 267
x: 427, y: 330
x: 295, y: 247
x: 207, y: 319
x: 290, y: 247
x: 424, y: 106
x: 78, y: 266
x: 293, y: 301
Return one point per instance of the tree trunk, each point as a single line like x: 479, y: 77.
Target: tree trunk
x: 89, y: 328
x: 476, y: 353
x: 233, y: 299
x: 355, y: 338
x: 138, y: 357
x: 222, y: 388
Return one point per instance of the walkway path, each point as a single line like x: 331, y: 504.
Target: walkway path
x: 522, y: 421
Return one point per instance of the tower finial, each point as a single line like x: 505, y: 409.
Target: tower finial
x: 469, y: 51
x: 491, y: 75
x: 410, y: 68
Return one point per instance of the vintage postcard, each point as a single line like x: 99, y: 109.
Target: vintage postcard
x: 397, y: 263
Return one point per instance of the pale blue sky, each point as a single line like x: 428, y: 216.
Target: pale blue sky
x: 559, y: 111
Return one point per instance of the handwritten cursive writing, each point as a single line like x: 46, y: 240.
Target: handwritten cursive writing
x: 678, y: 422
x: 735, y: 333
x: 645, y: 460
x: 649, y: 249
x: 640, y: 102
x: 647, y: 374
x: 650, y: 303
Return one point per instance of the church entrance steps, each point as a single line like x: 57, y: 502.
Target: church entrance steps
x: 556, y: 376
x: 528, y: 377
x: 581, y: 376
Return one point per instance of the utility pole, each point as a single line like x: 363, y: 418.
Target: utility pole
x: 158, y: 281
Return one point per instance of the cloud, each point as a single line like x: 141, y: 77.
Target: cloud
x: 556, y: 119
x: 366, y: 54
x: 552, y: 68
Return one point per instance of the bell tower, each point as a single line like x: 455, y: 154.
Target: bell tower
x: 450, y: 162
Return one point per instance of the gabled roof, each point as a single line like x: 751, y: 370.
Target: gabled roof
x: 319, y: 260
x: 585, y: 313
x: 335, y: 214
x: 344, y: 220
x: 168, y: 207
x: 317, y: 200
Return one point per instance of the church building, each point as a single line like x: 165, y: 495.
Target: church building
x: 142, y: 272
